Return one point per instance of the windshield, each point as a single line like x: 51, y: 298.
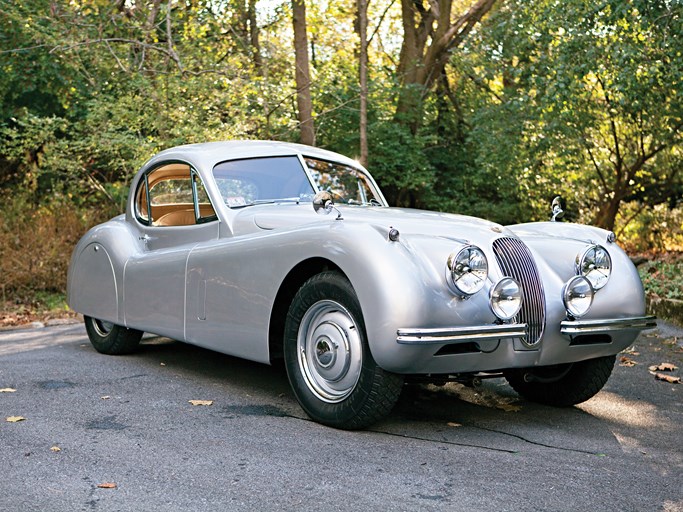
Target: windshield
x: 262, y: 180
x: 346, y: 184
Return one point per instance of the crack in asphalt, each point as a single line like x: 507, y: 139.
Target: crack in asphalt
x: 283, y: 414
x: 536, y: 443
x: 443, y: 441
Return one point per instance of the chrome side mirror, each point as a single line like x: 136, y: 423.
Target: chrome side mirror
x: 558, y: 212
x: 323, y: 204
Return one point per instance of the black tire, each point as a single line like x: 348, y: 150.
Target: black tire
x: 339, y: 388
x: 562, y: 385
x: 112, y: 339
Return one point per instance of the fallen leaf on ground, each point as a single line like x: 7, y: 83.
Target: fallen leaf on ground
x: 162, y: 364
x: 107, y: 485
x: 667, y: 378
x: 15, y: 419
x: 509, y: 407
x: 664, y: 367
x: 625, y: 361
x: 453, y: 424
x: 632, y: 351
x: 201, y: 402
x: 7, y: 390
x: 56, y: 449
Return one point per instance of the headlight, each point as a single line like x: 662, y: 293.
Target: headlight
x: 506, y: 298
x: 468, y: 269
x: 577, y: 295
x: 596, y: 265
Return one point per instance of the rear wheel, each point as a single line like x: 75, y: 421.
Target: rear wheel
x: 562, y: 385
x: 109, y: 338
x: 329, y: 365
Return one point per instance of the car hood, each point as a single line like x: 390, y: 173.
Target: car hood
x: 409, y: 222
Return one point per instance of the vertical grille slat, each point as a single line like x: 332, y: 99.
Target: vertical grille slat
x: 515, y: 260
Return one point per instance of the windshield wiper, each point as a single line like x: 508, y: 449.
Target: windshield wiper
x: 296, y: 200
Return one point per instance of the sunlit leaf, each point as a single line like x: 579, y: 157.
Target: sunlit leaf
x: 201, y: 402
x: 8, y: 390
x: 107, y: 485
x: 15, y: 419
x: 666, y: 378
x: 663, y: 367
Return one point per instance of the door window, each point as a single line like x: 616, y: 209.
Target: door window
x: 173, y: 195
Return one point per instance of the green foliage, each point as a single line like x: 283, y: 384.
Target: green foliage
x: 545, y: 98
x: 582, y: 100
x: 663, y: 279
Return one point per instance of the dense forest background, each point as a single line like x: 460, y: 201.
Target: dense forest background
x: 481, y: 107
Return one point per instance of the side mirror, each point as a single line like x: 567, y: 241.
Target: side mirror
x: 323, y: 204
x: 558, y: 212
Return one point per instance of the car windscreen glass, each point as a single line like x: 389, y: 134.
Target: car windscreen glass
x: 346, y: 184
x: 259, y: 180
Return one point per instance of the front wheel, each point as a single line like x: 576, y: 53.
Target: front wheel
x: 109, y: 338
x: 562, y: 385
x: 329, y: 365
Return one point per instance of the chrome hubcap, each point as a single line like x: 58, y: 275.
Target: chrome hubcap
x: 103, y: 328
x: 330, y: 351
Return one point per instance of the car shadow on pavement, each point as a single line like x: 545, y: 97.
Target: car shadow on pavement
x: 491, y: 416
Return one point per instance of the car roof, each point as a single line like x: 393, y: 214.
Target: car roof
x: 208, y: 154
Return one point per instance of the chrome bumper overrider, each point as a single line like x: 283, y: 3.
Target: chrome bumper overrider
x: 635, y: 323
x: 460, y: 334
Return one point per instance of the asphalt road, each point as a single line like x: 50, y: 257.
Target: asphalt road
x: 92, y: 419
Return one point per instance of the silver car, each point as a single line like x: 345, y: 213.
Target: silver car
x: 271, y: 251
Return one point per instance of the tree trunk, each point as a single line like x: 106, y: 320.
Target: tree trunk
x: 429, y: 36
x: 363, y: 79
x: 302, y: 74
x: 254, y: 37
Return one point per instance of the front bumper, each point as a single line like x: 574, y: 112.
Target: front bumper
x: 477, y: 333
x: 447, y: 336
x: 635, y: 323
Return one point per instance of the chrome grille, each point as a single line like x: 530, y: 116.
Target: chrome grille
x: 516, y: 261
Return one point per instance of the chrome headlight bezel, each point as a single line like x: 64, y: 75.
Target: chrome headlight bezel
x: 595, y: 264
x: 574, y: 295
x: 467, y: 270
x: 504, y: 294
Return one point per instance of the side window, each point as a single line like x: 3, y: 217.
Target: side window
x: 173, y: 195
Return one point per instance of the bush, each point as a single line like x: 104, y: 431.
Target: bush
x: 663, y: 278
x: 36, y: 244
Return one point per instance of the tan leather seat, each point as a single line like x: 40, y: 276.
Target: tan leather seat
x: 176, y: 218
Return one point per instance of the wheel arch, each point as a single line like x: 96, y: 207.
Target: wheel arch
x: 296, y: 277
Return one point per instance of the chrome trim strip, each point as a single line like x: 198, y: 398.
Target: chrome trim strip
x: 634, y: 323
x: 451, y: 335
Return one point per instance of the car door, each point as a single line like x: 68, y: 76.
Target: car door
x: 173, y: 214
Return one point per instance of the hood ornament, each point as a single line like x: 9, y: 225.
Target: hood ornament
x: 557, y: 212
